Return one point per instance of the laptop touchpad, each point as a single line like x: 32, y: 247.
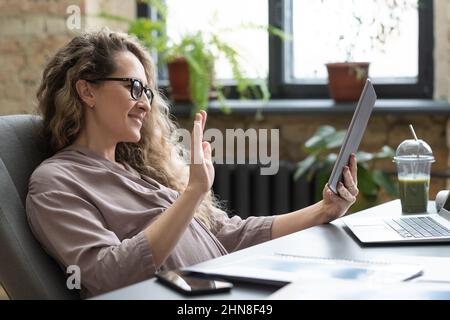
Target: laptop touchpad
x: 374, y: 232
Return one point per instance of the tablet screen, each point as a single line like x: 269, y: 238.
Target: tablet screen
x: 354, y: 133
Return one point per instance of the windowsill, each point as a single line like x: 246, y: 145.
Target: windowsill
x: 322, y: 106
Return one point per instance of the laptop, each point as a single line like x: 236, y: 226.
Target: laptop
x: 427, y: 227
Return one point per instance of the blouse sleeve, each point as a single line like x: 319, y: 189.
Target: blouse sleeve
x: 80, y: 237
x: 235, y: 233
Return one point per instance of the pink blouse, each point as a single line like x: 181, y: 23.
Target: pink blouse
x: 87, y: 211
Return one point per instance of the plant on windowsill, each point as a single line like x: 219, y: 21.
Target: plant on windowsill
x: 317, y: 167
x: 190, y: 60
x: 346, y: 77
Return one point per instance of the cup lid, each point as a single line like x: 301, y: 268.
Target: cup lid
x: 414, y: 150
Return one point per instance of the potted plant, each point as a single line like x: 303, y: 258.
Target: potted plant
x: 346, y: 80
x: 317, y: 167
x: 346, y: 77
x: 190, y: 60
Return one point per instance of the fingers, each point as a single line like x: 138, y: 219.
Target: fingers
x: 207, y: 150
x: 204, y: 115
x: 349, y: 182
x: 196, y: 141
x: 197, y: 145
x: 354, y: 168
x: 330, y: 193
x: 345, y: 194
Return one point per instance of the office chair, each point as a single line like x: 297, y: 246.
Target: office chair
x: 26, y: 270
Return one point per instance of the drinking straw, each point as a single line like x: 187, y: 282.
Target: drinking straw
x: 413, y: 132
x: 415, y: 138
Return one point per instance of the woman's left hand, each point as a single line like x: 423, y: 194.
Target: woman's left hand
x: 336, y: 205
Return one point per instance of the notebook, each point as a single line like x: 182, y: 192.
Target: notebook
x: 434, y: 283
x: 280, y: 269
x: 339, y: 289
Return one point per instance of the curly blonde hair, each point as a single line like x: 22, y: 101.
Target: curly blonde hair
x: 91, y: 55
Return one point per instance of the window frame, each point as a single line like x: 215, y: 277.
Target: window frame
x: 279, y: 16
x: 280, y: 89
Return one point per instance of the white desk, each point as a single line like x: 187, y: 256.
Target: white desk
x: 333, y: 240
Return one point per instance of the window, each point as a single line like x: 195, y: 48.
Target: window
x: 185, y: 16
x: 322, y: 30
x: 337, y: 31
x: 220, y: 16
x: 295, y: 69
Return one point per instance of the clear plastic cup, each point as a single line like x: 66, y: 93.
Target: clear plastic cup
x: 414, y: 159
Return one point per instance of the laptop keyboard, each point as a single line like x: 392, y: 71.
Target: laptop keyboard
x: 418, y: 227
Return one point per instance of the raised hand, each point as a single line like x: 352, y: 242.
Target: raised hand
x: 201, y: 169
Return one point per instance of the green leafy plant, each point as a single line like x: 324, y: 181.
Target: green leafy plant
x: 367, y: 30
x: 377, y: 20
x: 200, y: 49
x: 317, y: 167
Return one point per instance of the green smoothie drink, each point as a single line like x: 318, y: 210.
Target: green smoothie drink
x: 413, y: 193
x: 414, y: 158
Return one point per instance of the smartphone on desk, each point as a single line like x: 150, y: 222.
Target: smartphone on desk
x: 184, y: 282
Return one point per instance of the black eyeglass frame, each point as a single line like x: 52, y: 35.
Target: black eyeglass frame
x: 148, y: 92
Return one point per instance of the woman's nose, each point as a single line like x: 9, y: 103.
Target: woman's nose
x: 143, y: 104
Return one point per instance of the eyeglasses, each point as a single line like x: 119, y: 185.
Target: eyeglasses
x: 136, y: 87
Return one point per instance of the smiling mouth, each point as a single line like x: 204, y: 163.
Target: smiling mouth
x: 136, y: 118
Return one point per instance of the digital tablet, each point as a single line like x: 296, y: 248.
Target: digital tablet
x: 354, y: 133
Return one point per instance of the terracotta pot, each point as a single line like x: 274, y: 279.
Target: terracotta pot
x: 346, y: 80
x: 179, y: 79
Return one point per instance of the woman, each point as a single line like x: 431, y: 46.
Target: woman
x: 116, y: 198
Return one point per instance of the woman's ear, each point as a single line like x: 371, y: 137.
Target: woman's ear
x: 85, y: 92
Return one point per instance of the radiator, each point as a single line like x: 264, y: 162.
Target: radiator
x: 245, y: 192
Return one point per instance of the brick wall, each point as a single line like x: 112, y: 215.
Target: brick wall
x: 442, y: 58
x: 31, y: 31
x: 442, y: 49
x: 382, y: 130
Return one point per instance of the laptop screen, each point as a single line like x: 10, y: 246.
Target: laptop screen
x: 446, y: 205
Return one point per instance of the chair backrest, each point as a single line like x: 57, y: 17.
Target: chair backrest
x: 26, y: 271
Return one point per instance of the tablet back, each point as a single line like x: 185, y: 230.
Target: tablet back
x: 354, y: 133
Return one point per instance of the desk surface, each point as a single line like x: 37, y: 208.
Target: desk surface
x: 332, y: 240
